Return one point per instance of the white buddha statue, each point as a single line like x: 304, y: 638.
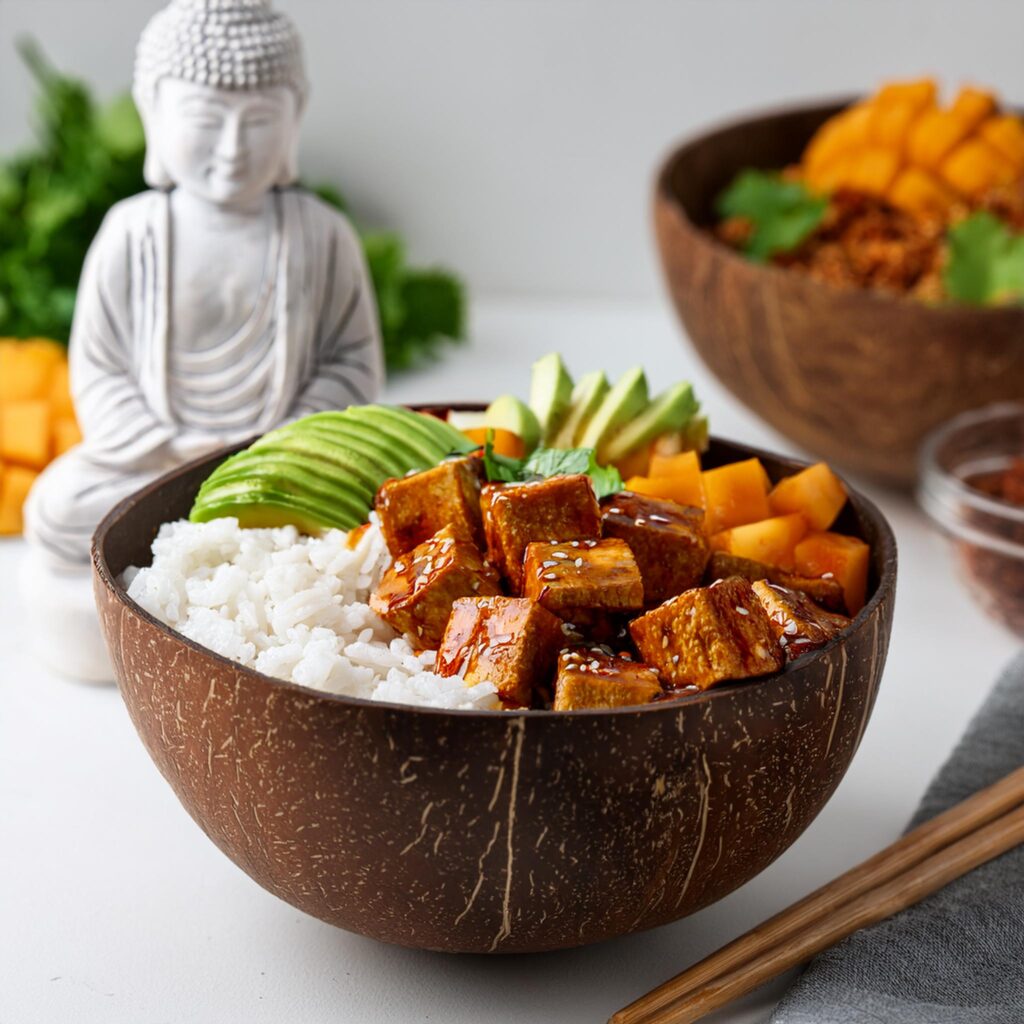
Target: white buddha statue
x: 211, y: 308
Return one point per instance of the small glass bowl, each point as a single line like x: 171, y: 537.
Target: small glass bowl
x: 987, y: 533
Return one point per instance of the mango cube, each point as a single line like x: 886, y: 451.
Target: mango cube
x: 771, y: 541
x: 25, y: 432
x: 66, y: 434
x: 838, y: 557
x: 15, y: 483
x: 816, y: 493
x: 735, y: 495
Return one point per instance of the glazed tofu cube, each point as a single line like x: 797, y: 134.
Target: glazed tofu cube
x: 824, y: 591
x: 416, y: 592
x: 582, y: 575
x: 589, y: 677
x: 413, y: 508
x: 667, y: 541
x: 562, y: 508
x: 708, y: 635
x: 511, y: 641
x: 798, y: 623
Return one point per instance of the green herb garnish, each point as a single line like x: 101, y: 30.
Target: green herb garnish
x: 547, y: 462
x: 985, y: 265
x: 783, y: 214
x: 88, y: 157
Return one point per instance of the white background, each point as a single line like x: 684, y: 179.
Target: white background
x: 515, y: 139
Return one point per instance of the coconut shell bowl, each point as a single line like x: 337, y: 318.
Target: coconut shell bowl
x: 490, y: 832
x: 857, y: 377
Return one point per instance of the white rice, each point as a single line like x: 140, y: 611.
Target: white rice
x: 293, y: 607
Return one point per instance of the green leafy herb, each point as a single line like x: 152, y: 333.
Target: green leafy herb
x: 547, y: 462
x: 782, y: 213
x: 90, y: 156
x: 985, y: 265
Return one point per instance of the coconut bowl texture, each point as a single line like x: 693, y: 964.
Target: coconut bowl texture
x: 857, y: 377
x: 489, y: 832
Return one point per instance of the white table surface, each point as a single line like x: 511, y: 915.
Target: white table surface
x: 114, y: 907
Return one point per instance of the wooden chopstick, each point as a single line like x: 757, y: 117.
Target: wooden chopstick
x: 974, y: 831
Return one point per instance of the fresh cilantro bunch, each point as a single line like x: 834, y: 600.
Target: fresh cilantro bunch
x: 985, y: 262
x: 547, y: 462
x: 782, y: 213
x: 88, y: 157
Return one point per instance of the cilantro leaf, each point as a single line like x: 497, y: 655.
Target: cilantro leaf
x: 547, y: 462
x: 985, y: 265
x: 783, y: 213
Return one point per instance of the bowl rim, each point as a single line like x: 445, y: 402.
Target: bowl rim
x: 887, y: 559
x: 941, y: 493
x: 664, y: 194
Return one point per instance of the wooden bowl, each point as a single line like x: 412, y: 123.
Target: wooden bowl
x: 490, y: 832
x: 857, y: 377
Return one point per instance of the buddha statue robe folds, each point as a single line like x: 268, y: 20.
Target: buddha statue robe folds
x: 146, y: 401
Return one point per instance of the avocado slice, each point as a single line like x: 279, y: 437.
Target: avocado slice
x: 405, y: 422
x: 669, y: 412
x: 550, y: 394
x: 462, y: 420
x: 256, y: 506
x: 509, y: 413
x: 586, y: 398
x: 628, y: 398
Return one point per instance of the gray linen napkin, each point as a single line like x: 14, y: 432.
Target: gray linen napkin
x: 957, y: 957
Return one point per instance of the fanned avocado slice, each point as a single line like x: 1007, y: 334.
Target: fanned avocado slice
x: 444, y: 436
x: 550, y: 394
x: 262, y: 507
x: 670, y: 411
x: 510, y: 413
x: 628, y: 398
x: 586, y: 399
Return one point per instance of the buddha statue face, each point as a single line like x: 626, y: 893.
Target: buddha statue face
x: 227, y: 146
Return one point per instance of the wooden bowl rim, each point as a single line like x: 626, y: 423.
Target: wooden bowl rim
x: 886, y: 542
x: 665, y: 195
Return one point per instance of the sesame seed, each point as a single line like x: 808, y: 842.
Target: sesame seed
x: 400, y: 566
x: 559, y: 554
x: 595, y: 665
x: 578, y: 562
x: 657, y: 519
x: 550, y: 576
x: 640, y: 521
x: 575, y: 543
x: 828, y: 575
x: 664, y: 642
x: 741, y: 611
x: 615, y: 511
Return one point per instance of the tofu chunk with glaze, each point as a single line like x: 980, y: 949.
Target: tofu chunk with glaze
x: 412, y: 509
x: 562, y: 508
x: 416, y: 592
x: 708, y: 635
x: 582, y: 575
x: 798, y: 623
x: 823, y: 590
x: 667, y: 541
x: 589, y: 677
x: 511, y: 641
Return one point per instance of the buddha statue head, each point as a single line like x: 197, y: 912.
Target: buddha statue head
x: 221, y: 88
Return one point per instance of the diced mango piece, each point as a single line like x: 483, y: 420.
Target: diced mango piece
x: 771, y: 541
x: 972, y: 106
x: 504, y: 441
x: 933, y: 137
x: 874, y: 170
x: 15, y: 482
x: 890, y: 124
x: 26, y: 368
x: 916, y: 93
x: 60, y: 391
x: 919, y: 191
x: 66, y: 434
x: 25, y: 432
x: 1006, y: 136
x: 836, y: 556
x: 816, y: 493
x: 681, y: 490
x: 833, y: 175
x: 845, y: 131
x: 974, y: 167
x: 681, y: 464
x: 735, y: 495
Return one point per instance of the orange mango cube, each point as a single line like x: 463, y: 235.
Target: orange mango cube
x: 15, y: 482
x: 66, y: 434
x: 974, y: 167
x: 972, y: 106
x: 916, y: 93
x: 60, y: 391
x: 835, y: 555
x: 770, y: 541
x: 816, y: 493
x: 25, y: 432
x: 846, y: 131
x: 680, y: 489
x: 504, y: 442
x: 934, y: 136
x: 918, y: 191
x: 1006, y: 136
x: 735, y: 495
x: 874, y: 170
x: 26, y: 368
